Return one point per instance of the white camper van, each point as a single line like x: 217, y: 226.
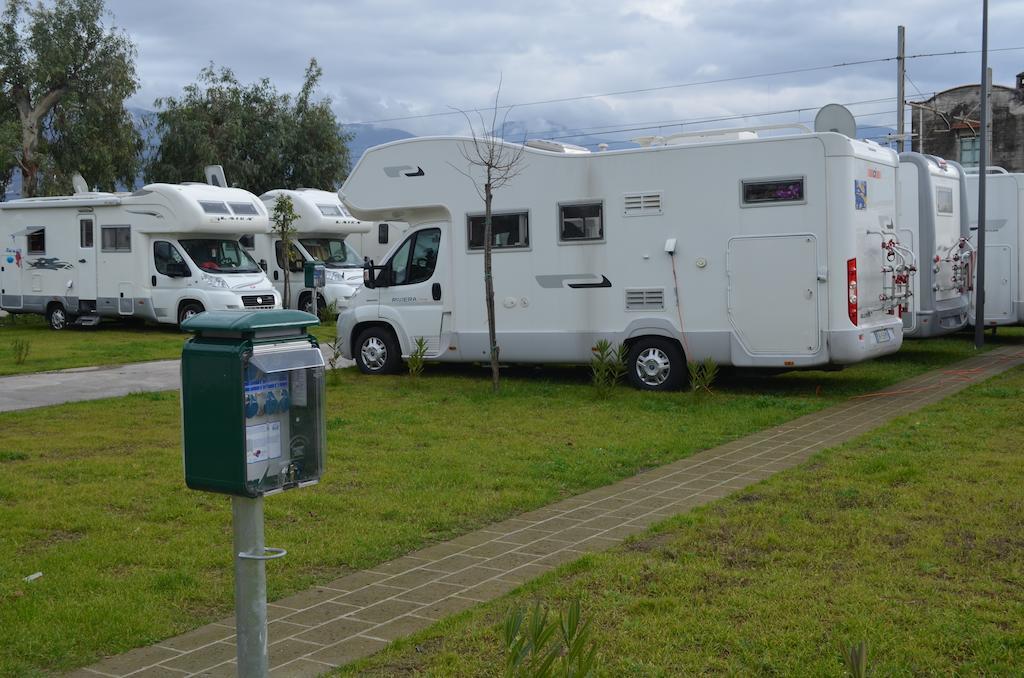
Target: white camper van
x: 378, y: 241
x: 1004, y: 275
x: 324, y: 232
x: 933, y: 223
x: 162, y: 253
x: 766, y: 252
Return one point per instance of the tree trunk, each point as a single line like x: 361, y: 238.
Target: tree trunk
x: 30, y: 118
x: 489, y: 287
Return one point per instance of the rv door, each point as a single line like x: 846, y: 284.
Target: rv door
x: 86, y: 265
x: 411, y: 289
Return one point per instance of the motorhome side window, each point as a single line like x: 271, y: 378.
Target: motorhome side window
x: 330, y: 210
x: 382, y: 234
x: 415, y: 260
x: 116, y: 239
x: 944, y: 200
x: 85, y: 233
x: 295, y: 261
x: 214, y: 207
x: 773, y: 192
x: 507, y: 231
x: 37, y: 241
x: 248, y: 241
x: 168, y: 260
x: 580, y: 222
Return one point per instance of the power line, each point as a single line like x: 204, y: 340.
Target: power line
x: 645, y: 90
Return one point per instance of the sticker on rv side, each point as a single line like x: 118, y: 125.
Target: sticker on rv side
x: 13, y: 256
x: 874, y: 173
x: 860, y: 193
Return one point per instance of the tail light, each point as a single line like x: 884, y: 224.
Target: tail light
x: 851, y: 289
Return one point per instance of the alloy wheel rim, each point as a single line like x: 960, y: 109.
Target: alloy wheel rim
x: 57, y: 319
x: 653, y: 367
x: 374, y: 353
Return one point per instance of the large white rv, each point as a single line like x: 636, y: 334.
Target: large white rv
x: 933, y: 223
x: 1004, y: 267
x: 379, y: 240
x: 765, y: 252
x: 162, y: 253
x: 323, y: 232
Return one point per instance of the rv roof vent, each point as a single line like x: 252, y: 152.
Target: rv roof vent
x: 641, y: 204
x: 555, y: 146
x: 645, y: 299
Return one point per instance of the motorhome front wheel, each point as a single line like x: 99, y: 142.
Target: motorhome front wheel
x: 377, y: 351
x: 56, y: 317
x: 655, y: 364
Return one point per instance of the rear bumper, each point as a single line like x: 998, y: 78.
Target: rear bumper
x: 864, y: 343
x: 948, y: 316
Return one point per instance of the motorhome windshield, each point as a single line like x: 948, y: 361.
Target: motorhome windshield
x: 220, y: 256
x: 334, y: 252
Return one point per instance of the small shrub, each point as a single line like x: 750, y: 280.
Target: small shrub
x: 607, y: 366
x: 544, y: 647
x: 20, y: 348
x: 333, y: 374
x: 329, y: 313
x: 856, y: 660
x: 415, y: 361
x: 702, y: 374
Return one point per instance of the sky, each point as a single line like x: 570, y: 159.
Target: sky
x: 387, y: 60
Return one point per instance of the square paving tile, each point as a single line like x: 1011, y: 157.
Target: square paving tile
x: 333, y: 631
x: 543, y: 547
x: 398, y: 565
x: 224, y: 670
x: 525, y: 536
x: 134, y: 660
x: 369, y: 595
x: 400, y: 627
x: 300, y: 668
x: 287, y: 650
x: 412, y: 579
x: 352, y: 582
x: 195, y: 639
x: 489, y: 590
x: 437, y: 551
x: 525, y: 573
x: 347, y: 651
x: 471, y: 576
x: 509, y: 561
x: 300, y: 601
x: 490, y: 549
x: 155, y: 672
x: 382, y: 612
x: 203, y: 658
x: 318, y: 614
x: 430, y: 593
x: 454, y: 563
x: 446, y: 607
x: 575, y: 534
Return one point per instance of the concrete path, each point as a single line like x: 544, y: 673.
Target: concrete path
x: 328, y: 626
x: 25, y: 391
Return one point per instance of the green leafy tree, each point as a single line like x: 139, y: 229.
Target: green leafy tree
x: 281, y: 220
x: 264, y: 139
x: 64, y: 77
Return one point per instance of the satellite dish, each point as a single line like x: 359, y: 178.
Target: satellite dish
x: 836, y: 118
x: 79, y: 184
x: 215, y: 175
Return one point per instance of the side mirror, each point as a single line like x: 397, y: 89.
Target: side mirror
x: 369, y: 279
x: 263, y: 265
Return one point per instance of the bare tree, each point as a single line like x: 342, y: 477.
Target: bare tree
x: 490, y: 164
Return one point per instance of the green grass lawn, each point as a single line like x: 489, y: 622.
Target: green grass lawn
x: 910, y: 538
x: 112, y: 343
x: 93, y: 495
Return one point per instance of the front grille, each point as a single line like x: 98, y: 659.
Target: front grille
x: 258, y: 301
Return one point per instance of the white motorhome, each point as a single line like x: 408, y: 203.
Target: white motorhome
x: 162, y: 253
x: 763, y: 252
x: 323, y: 232
x: 1004, y: 267
x: 932, y: 222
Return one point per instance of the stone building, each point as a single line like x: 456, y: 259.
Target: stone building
x: 947, y: 125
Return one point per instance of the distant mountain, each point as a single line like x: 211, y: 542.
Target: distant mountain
x: 366, y: 136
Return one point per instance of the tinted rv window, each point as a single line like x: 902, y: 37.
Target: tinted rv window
x: 507, y: 231
x: 295, y: 261
x: 382, y: 234
x: 214, y: 207
x: 776, y: 191
x: 248, y: 241
x: 85, y: 233
x: 581, y: 222
x: 165, y: 253
x: 415, y: 260
x: 245, y: 209
x: 37, y: 241
x: 220, y: 256
x: 116, y: 239
x: 944, y: 200
x: 330, y: 210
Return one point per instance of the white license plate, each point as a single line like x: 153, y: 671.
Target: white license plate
x: 882, y: 336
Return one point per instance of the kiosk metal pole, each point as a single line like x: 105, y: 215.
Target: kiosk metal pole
x: 250, y: 587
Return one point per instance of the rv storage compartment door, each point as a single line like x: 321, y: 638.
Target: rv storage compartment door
x: 998, y: 283
x: 773, y: 293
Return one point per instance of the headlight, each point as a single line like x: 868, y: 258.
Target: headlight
x: 214, y: 281
x: 335, y: 277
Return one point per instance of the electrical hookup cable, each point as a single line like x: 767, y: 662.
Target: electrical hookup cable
x: 679, y: 307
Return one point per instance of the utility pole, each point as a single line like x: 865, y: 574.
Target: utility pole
x: 979, y: 285
x: 900, y: 95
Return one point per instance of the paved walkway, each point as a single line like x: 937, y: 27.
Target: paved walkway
x: 25, y: 391
x: 328, y: 626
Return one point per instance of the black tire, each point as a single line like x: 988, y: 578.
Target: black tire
x: 377, y: 351
x: 655, y: 364
x: 57, y: 317
x: 306, y: 304
x: 189, y: 309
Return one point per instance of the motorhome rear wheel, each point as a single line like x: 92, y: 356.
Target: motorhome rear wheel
x: 56, y: 317
x: 377, y: 351
x: 655, y: 364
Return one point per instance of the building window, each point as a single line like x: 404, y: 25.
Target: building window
x: 85, y: 233
x: 581, y: 222
x: 37, y: 241
x: 970, y: 149
x: 773, y: 192
x: 507, y: 231
x: 116, y: 239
